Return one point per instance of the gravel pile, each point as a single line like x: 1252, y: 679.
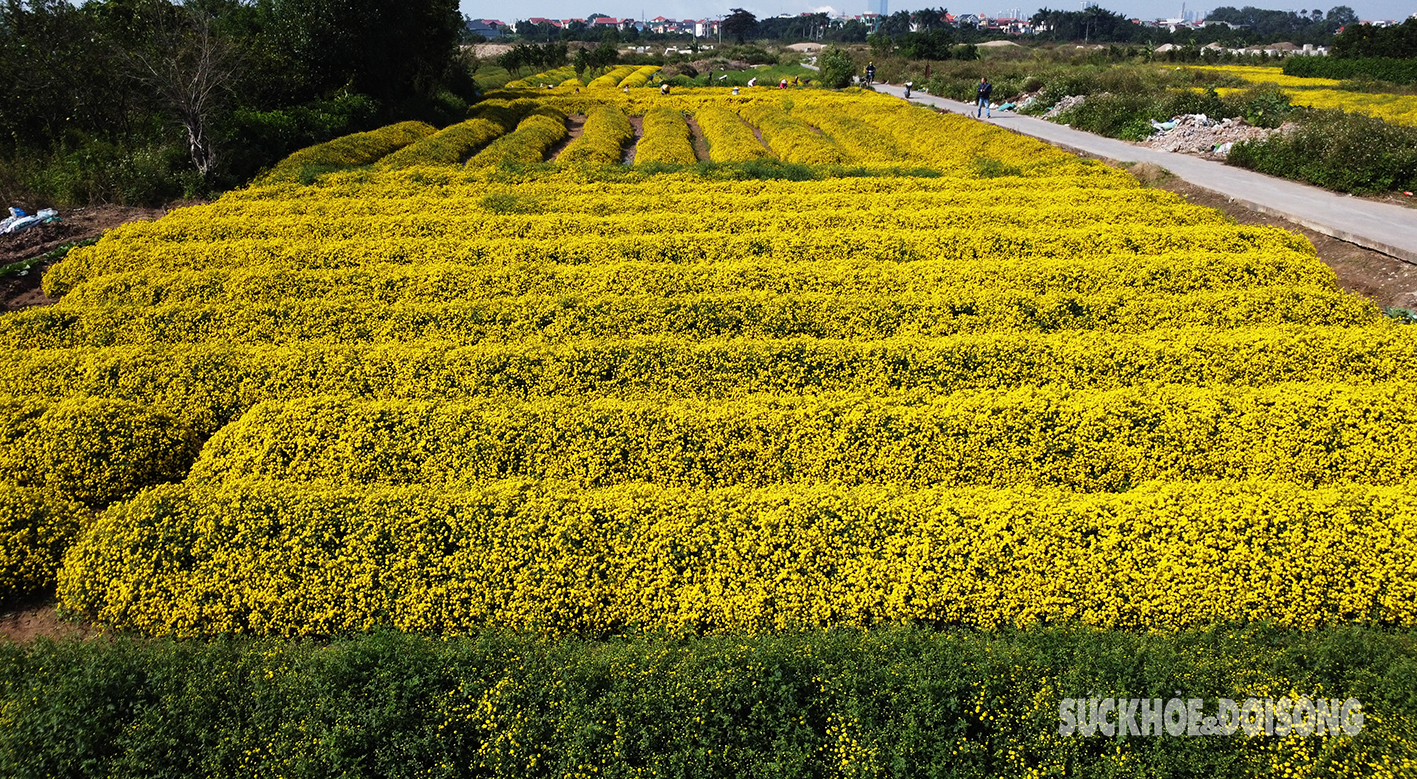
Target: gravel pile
x: 1071, y: 101
x: 1199, y: 134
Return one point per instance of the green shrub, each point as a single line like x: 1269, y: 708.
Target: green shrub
x: 837, y: 68
x: 1391, y: 70
x: 1262, y: 106
x: 1116, y: 116
x: 87, y: 170
x: 899, y: 703
x: 1341, y: 151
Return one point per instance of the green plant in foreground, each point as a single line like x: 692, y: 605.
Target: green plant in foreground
x: 54, y: 255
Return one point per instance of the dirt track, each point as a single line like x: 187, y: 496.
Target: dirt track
x: 18, y: 291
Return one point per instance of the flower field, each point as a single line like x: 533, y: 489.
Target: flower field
x: 1318, y: 93
x: 948, y: 379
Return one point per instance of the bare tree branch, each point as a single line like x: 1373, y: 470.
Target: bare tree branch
x: 190, y: 68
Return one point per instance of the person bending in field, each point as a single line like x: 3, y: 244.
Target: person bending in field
x: 982, y: 93
x: 664, y: 88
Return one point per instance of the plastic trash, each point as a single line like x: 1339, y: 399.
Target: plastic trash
x: 1007, y: 107
x: 1163, y: 126
x: 19, y: 220
x: 1224, y: 148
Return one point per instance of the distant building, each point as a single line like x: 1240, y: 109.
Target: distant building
x: 878, y: 7
x: 487, y: 28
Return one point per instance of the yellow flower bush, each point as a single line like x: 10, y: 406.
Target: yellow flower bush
x: 955, y: 376
x: 528, y: 143
x: 299, y: 559
x: 89, y: 449
x: 791, y: 139
x: 451, y: 146
x: 729, y: 139
x: 666, y: 139
x: 602, y: 140
x: 351, y: 150
x: 612, y: 77
x: 36, y: 526
x: 209, y: 385
x: 1311, y: 433
x: 554, y: 76
x: 640, y: 77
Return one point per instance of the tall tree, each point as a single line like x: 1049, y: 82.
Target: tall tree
x: 740, y: 24
x: 189, y: 67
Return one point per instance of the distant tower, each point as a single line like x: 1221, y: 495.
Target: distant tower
x: 879, y: 7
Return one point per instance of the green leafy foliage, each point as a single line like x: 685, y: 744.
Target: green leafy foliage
x: 1342, y: 151
x: 837, y: 68
x: 900, y: 702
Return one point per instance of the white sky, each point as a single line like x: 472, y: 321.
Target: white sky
x: 698, y: 9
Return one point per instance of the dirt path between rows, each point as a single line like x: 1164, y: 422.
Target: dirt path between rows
x: 757, y: 133
x: 696, y: 134
x: 22, y: 290
x: 637, y: 122
x: 575, y: 125
x: 38, y: 618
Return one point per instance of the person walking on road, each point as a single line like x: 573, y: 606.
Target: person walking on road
x: 982, y: 94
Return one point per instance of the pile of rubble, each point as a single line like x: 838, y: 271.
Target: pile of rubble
x: 1199, y: 134
x: 1069, y: 102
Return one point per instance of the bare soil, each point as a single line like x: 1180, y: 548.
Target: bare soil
x: 25, y: 622
x: 1384, y: 279
x: 1395, y: 198
x: 16, y: 291
x: 701, y: 147
x: 637, y: 122
x: 757, y: 133
x: 575, y: 125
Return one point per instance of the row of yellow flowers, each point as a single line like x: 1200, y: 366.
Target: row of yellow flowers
x: 383, y: 278
x: 351, y: 150
x: 602, y: 139
x: 1086, y: 440
x: 283, y: 559
x: 528, y: 143
x: 1091, y: 249
x: 553, y: 76
x: 666, y: 139
x: 752, y: 314
x: 694, y: 211
x: 205, y: 386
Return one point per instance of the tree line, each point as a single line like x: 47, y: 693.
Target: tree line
x: 141, y: 101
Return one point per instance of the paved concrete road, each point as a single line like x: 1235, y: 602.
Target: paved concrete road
x: 1390, y: 229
